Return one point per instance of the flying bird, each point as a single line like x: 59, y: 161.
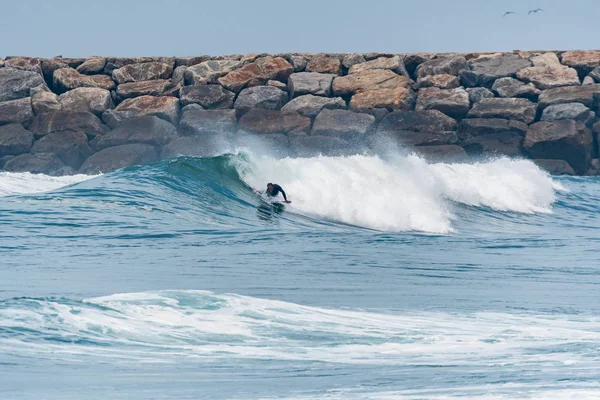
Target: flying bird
x: 508, y: 13
x: 537, y: 10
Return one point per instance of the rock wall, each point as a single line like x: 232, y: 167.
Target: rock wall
x: 67, y: 115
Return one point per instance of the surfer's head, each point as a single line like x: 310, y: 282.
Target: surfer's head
x: 269, y: 186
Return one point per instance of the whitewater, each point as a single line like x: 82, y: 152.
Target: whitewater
x: 387, y: 277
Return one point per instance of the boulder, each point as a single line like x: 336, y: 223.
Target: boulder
x: 257, y: 73
x: 412, y: 61
x: 574, y: 111
x: 208, y: 122
x: 190, y: 146
x: 85, y: 122
x: 46, y: 163
x: 209, y: 71
x: 114, y: 118
x: 416, y: 128
x: 66, y: 79
x: 118, y: 157
x: 545, y: 60
x: 18, y: 111
x: 344, y: 124
x: 267, y: 97
x: 324, y: 65
x: 562, y: 140
x: 208, y: 96
x: 299, y: 63
x: 474, y: 127
x: 71, y: 62
x: 165, y: 107
x: 156, y: 87
x: 368, y: 80
x: 44, y: 102
x: 595, y: 74
x: 569, y: 94
x: 503, y: 143
x: 178, y: 77
x: 442, y: 81
x: 310, y: 146
x: 143, y: 130
x: 113, y: 63
x: 468, y: 78
x: 583, y: 61
x: 478, y: 94
x: 259, y: 120
x: 16, y: 84
x: 518, y: 109
x: 511, y: 87
x: 555, y: 167
x: 142, y: 72
x: 94, y: 100
x: 549, y: 77
x: 446, y: 65
x: 395, y: 64
x: 70, y: 146
x: 449, y: 153
x: 14, y: 140
x: 452, y: 102
x: 401, y: 98
x: 350, y: 60
x: 51, y: 65
x: 310, y: 105
x: 25, y: 64
x: 92, y: 65
x: 314, y: 83
x: 490, y: 68
x: 593, y: 171
x: 190, y: 61
x: 588, y: 80
x: 277, y: 84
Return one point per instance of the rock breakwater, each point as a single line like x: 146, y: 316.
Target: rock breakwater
x: 67, y: 115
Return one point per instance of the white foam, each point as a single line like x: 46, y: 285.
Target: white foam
x: 402, y: 193
x: 13, y: 183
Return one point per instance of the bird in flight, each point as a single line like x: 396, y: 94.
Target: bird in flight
x: 508, y: 13
x: 537, y: 10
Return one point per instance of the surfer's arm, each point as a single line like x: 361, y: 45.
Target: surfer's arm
x: 283, y: 193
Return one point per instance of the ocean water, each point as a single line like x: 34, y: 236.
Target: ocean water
x: 386, y: 278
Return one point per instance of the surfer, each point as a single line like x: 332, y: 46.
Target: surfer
x: 274, y: 189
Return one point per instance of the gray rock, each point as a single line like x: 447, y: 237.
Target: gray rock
x: 310, y: 105
x: 277, y: 84
x: 18, y: 111
x: 114, y: 118
x: 208, y: 96
x: 113, y: 63
x: 510, y: 87
x: 310, y: 83
x: 85, y: 122
x: 468, y: 78
x: 190, y: 61
x: 165, y: 107
x: 157, y: 87
x: 443, y: 81
x: 70, y: 146
x: 209, y: 71
x: 51, y: 65
x: 142, y: 72
x: 191, y: 107
x: 266, y: 97
x: 555, y: 167
x: 562, y: 140
x: 299, y: 63
x: 478, y: 94
x: 588, y: 80
x: 344, y: 124
x: 310, y: 146
x: 574, y: 111
x: 442, y: 153
x: 94, y: 100
x: 208, y: 122
x: 92, y: 65
x: 488, y: 69
x: 419, y: 128
x: 178, y: 75
x: 447, y: 65
x: 46, y: 163
x: 474, y: 127
x: 569, y: 94
x: 16, y: 84
x: 190, y: 146
x: 25, y: 64
x: 14, y: 140
x: 452, y: 102
x: 395, y: 64
x: 143, y: 130
x: 114, y: 158
x: 518, y: 109
x: 503, y: 143
x: 595, y: 74
x: 350, y: 60
x: 44, y: 102
x: 263, y: 121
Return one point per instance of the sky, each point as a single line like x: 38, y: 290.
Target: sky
x: 82, y: 28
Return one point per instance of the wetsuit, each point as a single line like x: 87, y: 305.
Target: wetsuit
x: 276, y: 190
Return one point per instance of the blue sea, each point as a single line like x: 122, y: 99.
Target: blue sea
x: 385, y: 278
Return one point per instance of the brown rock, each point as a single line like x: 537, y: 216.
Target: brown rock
x: 442, y: 81
x: 445, y: 65
x: 18, y: 111
x: 142, y: 72
x: 518, y: 109
x: 324, y: 65
x: 94, y: 100
x: 368, y: 80
x: 511, y: 87
x: 165, y: 107
x: 344, y: 124
x: 473, y: 127
x: 401, y: 98
x: 549, y: 77
x: 569, y: 94
x: 258, y: 73
x: 209, y: 71
x: 92, y: 65
x: 14, y: 140
x: 208, y: 96
x: 582, y: 60
x: 452, y: 102
x: 44, y: 102
x: 49, y: 66
x: 85, y: 122
x: 395, y: 64
x: 546, y: 60
x: 113, y: 63
x: 143, y: 130
x: 25, y: 64
x: 270, y: 121
x: 156, y: 87
x: 65, y: 79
